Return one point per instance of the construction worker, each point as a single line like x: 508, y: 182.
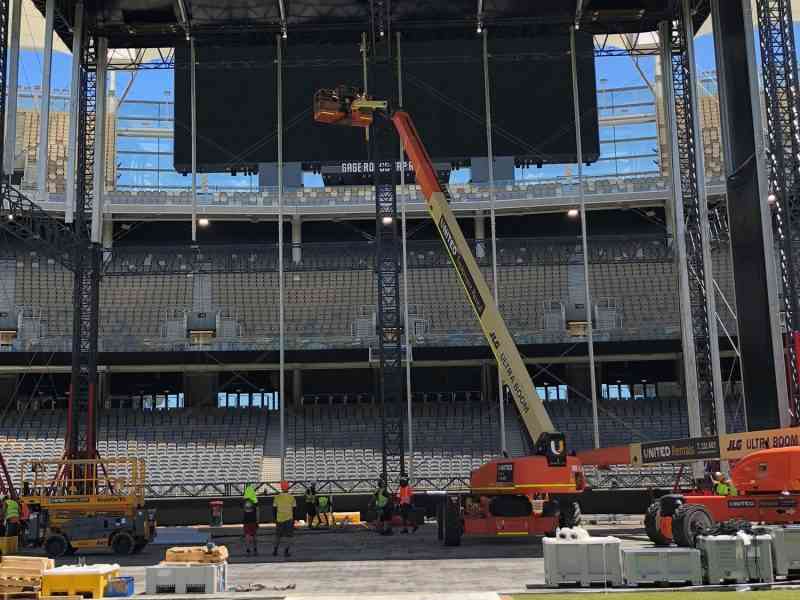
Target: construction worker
x: 732, y: 491
x: 284, y: 504
x: 383, y: 505
x: 722, y: 485
x: 405, y: 494
x: 11, y: 512
x: 323, y: 510
x: 250, y: 526
x: 250, y: 494
x: 310, y: 498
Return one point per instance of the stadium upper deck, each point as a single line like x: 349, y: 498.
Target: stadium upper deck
x: 142, y: 184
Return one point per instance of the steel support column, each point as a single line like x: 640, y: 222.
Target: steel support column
x: 281, y: 294
x: 44, y: 109
x: 81, y: 442
x: 699, y: 332
x: 74, y: 114
x: 487, y: 99
x: 11, y: 87
x: 779, y: 72
x: 404, y: 236
x: 379, y: 74
x: 587, y: 296
x: 193, y: 111
x: 759, y: 342
x: 389, y: 315
x: 100, y: 141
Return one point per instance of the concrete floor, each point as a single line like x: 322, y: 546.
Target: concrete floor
x: 355, y: 561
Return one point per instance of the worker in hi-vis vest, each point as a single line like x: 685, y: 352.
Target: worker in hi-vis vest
x: 382, y: 500
x: 11, y: 514
x: 405, y: 495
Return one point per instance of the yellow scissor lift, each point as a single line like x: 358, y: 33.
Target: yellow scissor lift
x: 86, y: 504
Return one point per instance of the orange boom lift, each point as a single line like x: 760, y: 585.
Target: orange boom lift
x: 508, y: 497
x: 768, y: 491
x: 765, y: 474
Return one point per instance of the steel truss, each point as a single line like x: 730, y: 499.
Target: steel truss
x: 779, y: 72
x: 662, y: 477
x: 389, y: 322
x: 70, y: 247
x: 5, y: 7
x: 704, y: 335
x: 81, y: 441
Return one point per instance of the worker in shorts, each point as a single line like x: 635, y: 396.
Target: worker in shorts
x: 323, y: 510
x: 310, y: 499
x: 250, y: 526
x: 383, y: 506
x: 284, y: 504
x: 405, y: 495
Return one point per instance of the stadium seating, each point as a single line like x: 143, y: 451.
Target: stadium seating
x: 335, y: 441
x: 330, y: 294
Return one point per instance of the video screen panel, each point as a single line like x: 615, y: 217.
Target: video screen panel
x: 443, y: 89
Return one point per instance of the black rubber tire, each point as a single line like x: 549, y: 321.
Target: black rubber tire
x: 56, y: 546
x: 123, y: 543
x: 688, y: 522
x: 440, y: 521
x: 651, y: 525
x: 551, y: 509
x: 451, y: 536
x: 510, y: 506
x: 570, y: 514
x: 139, y: 546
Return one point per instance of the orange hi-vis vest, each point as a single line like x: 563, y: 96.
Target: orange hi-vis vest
x: 405, y: 492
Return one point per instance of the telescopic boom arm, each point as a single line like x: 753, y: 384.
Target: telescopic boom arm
x: 343, y: 106
x: 513, y: 371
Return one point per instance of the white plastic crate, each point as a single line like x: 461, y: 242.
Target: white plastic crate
x: 582, y: 561
x: 739, y: 558
x: 647, y: 566
x: 186, y: 578
x: 785, y: 549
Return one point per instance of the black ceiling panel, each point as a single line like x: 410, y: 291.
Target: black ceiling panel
x: 155, y: 23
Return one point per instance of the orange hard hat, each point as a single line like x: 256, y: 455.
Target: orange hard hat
x: 284, y: 486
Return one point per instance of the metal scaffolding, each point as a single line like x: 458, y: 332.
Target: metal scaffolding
x: 389, y: 321
x: 86, y: 288
x: 779, y: 72
x: 70, y: 245
x: 699, y: 332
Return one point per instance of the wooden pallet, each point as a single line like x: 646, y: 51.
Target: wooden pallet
x: 19, y: 595
x: 197, y: 554
x: 21, y: 576
x: 36, y: 563
x: 20, y: 586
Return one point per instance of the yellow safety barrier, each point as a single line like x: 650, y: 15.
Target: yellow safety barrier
x: 344, y: 518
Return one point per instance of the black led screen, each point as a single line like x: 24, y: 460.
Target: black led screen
x: 443, y: 89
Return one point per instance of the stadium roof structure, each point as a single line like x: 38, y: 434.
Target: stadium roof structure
x: 163, y: 23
